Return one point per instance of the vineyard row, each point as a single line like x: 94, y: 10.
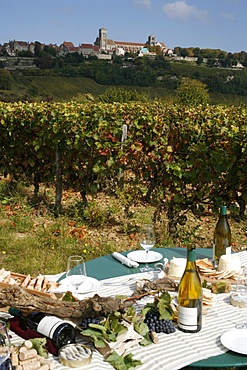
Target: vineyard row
x: 182, y: 158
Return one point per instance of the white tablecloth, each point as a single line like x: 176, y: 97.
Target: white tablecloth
x: 174, y: 351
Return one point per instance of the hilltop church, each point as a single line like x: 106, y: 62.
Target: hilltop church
x: 120, y: 47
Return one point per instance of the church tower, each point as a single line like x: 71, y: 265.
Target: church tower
x: 101, y: 40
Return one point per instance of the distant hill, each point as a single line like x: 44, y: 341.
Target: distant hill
x: 157, y: 79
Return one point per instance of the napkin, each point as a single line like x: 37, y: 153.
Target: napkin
x: 125, y: 261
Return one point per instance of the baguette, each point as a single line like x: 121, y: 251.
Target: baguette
x: 3, y: 274
x: 26, y: 281
x: 31, y: 284
x: 39, y: 282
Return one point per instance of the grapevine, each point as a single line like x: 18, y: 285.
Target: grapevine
x: 184, y: 158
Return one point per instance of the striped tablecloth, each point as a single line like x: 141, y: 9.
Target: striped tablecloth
x: 174, y: 351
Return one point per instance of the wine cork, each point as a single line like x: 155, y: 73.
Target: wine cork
x: 50, y: 363
x: 14, y: 359
x: 29, y: 361
x: 32, y: 366
x: 23, y: 349
x: 28, y: 344
x: 27, y: 354
x: 44, y: 367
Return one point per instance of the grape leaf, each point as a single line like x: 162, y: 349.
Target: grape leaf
x: 122, y: 362
x: 142, y: 329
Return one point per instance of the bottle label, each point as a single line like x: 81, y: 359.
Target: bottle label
x: 187, y: 318
x: 48, y: 325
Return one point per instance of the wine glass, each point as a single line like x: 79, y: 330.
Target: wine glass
x: 4, y: 342
x: 76, y: 271
x: 147, y: 241
x: 242, y: 292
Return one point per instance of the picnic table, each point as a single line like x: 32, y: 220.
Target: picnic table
x: 221, y: 318
x: 174, y: 351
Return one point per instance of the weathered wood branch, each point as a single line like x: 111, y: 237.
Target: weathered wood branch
x: 18, y: 297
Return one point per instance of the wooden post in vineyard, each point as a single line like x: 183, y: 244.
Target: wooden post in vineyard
x: 58, y: 200
x: 123, y: 139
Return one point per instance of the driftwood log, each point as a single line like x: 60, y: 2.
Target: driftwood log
x: 16, y: 296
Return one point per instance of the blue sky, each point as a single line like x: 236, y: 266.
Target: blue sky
x: 215, y: 24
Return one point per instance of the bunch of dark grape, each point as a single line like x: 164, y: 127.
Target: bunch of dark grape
x: 89, y: 320
x: 158, y: 325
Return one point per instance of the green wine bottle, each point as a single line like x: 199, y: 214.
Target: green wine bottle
x: 190, y: 296
x: 222, y: 237
x: 59, y: 331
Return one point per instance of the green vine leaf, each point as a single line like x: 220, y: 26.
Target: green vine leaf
x: 122, y: 362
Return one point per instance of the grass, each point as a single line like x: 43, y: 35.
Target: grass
x: 61, y: 88
x: 64, y: 89
x: 33, y: 240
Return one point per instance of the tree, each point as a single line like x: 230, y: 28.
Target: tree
x: 6, y: 79
x: 50, y: 50
x: 25, y: 53
x: 199, y: 60
x: 192, y: 93
x: 245, y: 61
x: 37, y: 48
x: 45, y: 61
x: 184, y: 52
x: 197, y: 52
x: 177, y: 50
x: 160, y: 63
x: 211, y: 62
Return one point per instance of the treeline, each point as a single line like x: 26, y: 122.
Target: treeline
x: 145, y: 72
x: 159, y: 72
x: 214, y: 57
x: 179, y: 158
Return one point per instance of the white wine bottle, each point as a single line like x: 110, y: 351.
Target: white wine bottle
x: 222, y: 237
x: 60, y: 332
x: 190, y: 296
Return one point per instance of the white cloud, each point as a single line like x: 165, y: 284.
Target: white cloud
x: 228, y: 16
x: 182, y: 11
x: 143, y: 3
x: 65, y: 10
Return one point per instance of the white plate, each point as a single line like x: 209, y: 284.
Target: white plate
x: 235, y: 340
x: 140, y: 256
x: 88, y: 285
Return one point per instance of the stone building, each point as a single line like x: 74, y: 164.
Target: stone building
x: 109, y: 46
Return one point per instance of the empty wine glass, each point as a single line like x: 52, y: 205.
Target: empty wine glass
x: 242, y: 292
x: 76, y: 271
x: 147, y: 241
x: 4, y: 342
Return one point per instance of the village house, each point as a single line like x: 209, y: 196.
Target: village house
x: 13, y: 47
x: 88, y: 50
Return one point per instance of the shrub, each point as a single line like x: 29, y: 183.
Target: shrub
x: 5, y: 79
x: 192, y: 93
